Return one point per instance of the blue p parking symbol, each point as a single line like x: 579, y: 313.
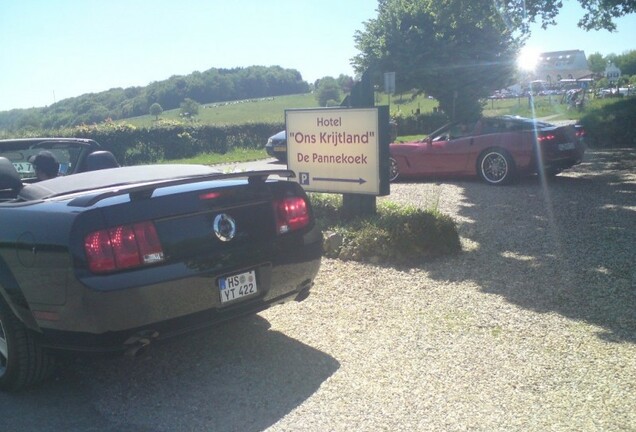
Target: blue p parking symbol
x: 303, y: 178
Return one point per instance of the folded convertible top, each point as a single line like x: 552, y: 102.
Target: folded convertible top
x: 132, y: 179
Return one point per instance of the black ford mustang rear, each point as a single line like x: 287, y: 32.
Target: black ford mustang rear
x: 111, y: 260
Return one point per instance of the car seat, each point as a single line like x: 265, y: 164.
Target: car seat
x: 100, y: 159
x: 10, y: 182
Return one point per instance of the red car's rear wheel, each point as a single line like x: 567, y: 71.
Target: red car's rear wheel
x: 496, y: 167
x: 394, y: 171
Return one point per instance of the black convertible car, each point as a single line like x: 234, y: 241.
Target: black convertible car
x: 111, y: 260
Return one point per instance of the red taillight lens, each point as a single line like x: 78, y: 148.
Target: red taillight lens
x: 99, y: 252
x: 291, y: 214
x: 123, y: 247
x: 546, y: 137
x: 122, y: 240
x: 209, y: 196
x: 148, y: 242
x: 580, y: 133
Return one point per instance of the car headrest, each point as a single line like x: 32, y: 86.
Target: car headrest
x: 100, y: 159
x: 9, y: 177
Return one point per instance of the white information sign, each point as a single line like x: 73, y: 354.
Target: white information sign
x: 334, y: 150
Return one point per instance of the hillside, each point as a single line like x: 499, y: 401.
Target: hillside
x: 209, y: 87
x: 272, y: 109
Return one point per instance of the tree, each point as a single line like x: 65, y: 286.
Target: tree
x: 599, y: 14
x: 601, y: 83
x: 327, y: 89
x: 156, y: 110
x: 456, y: 51
x: 346, y: 83
x: 597, y: 63
x: 626, y: 62
x: 189, y: 108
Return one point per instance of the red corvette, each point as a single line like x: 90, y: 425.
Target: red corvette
x: 497, y: 149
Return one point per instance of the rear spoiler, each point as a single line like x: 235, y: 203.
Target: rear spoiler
x: 145, y: 190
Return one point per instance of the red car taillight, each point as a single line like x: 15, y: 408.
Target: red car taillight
x: 546, y: 137
x: 123, y: 247
x: 580, y: 132
x: 292, y: 213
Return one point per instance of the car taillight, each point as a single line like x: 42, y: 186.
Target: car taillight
x: 291, y: 214
x: 546, y: 137
x: 580, y: 132
x: 123, y: 247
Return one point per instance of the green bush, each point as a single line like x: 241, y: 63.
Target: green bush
x: 396, y: 234
x: 418, y: 124
x: 611, y: 125
x: 172, y: 140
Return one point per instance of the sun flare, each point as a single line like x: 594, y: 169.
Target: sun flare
x: 528, y: 58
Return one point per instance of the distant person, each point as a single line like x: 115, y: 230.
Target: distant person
x: 45, y: 164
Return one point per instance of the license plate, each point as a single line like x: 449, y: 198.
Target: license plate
x: 566, y: 146
x: 280, y: 148
x: 236, y: 286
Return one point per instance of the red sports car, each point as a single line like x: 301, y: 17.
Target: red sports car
x: 498, y: 149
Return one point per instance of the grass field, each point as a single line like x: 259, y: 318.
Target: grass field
x: 272, y: 110
x: 265, y: 110
x: 234, y: 155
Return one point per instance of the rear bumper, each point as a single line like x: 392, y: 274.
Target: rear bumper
x: 118, y: 341
x: 103, y: 321
x: 561, y: 164
x: 555, y: 160
x: 279, y: 151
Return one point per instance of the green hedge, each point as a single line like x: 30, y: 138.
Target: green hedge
x: 612, y: 125
x: 168, y: 140
x: 417, y: 124
x: 175, y: 140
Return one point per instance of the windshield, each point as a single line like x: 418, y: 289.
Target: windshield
x: 20, y: 155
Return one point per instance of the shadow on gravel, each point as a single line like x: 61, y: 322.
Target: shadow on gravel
x: 240, y: 376
x: 569, y: 247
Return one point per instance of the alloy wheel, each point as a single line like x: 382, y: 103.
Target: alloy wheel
x: 393, y: 169
x: 494, y: 167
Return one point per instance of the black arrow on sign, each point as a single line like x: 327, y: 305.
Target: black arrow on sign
x: 359, y: 180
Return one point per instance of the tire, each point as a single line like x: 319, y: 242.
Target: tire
x: 23, y: 362
x: 394, y: 171
x: 496, y: 167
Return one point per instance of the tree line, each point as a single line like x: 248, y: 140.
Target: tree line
x: 213, y: 85
x: 459, y: 52
x: 626, y: 62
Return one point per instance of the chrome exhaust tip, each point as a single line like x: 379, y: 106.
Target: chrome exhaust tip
x: 139, y: 342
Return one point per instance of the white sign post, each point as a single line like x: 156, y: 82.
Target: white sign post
x: 335, y: 150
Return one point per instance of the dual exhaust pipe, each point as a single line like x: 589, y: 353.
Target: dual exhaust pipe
x: 137, y: 344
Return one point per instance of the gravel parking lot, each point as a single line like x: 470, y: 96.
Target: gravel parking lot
x: 531, y: 328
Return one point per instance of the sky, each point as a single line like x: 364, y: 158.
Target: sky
x: 55, y: 49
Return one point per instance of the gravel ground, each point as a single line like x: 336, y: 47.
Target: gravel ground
x: 531, y: 328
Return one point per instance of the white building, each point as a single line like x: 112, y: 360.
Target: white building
x: 612, y: 73
x: 555, y: 66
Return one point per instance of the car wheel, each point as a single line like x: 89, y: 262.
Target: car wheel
x: 23, y: 362
x: 394, y: 172
x: 496, y: 167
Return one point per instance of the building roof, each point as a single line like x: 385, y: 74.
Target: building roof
x: 564, y: 64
